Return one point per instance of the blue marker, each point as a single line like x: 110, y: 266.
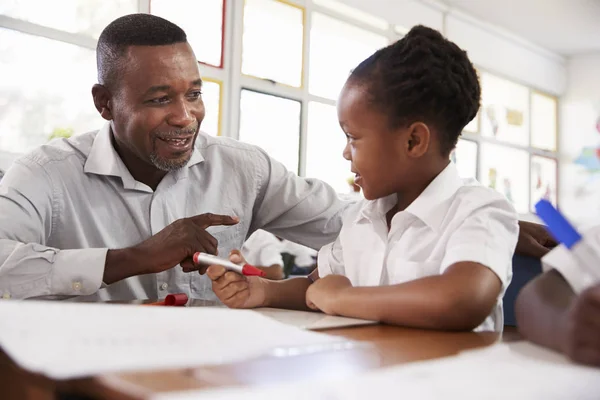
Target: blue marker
x: 566, y: 234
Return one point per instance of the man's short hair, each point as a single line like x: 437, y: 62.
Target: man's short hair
x: 131, y: 30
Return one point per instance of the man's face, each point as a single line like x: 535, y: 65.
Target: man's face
x: 157, y: 105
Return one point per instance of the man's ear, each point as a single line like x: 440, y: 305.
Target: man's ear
x: 102, y: 98
x: 419, y: 137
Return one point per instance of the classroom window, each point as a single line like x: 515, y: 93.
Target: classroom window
x: 506, y: 170
x: 47, y: 93
x: 328, y: 69
x: 272, y: 123
x: 273, y: 38
x: 543, y: 180
x: 211, y: 96
x: 324, y: 147
x: 504, y: 110
x: 88, y: 17
x: 543, y: 121
x: 202, y: 21
x: 465, y: 158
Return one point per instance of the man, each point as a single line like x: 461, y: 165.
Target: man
x: 108, y: 214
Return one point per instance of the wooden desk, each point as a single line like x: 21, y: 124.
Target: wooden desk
x: 380, y: 346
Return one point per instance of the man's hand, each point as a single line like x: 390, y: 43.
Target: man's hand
x: 582, y: 334
x: 324, y: 293
x: 534, y: 240
x: 235, y: 290
x: 175, y: 244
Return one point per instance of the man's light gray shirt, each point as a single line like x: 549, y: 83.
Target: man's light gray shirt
x: 65, y: 204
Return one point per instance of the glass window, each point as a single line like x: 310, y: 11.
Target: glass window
x: 273, y: 41
x: 543, y: 121
x: 335, y: 49
x: 324, y: 147
x: 543, y: 180
x: 48, y: 92
x: 465, y: 157
x: 272, y: 123
x: 88, y: 17
x: 202, y: 21
x: 506, y: 170
x: 211, y: 96
x: 473, y: 126
x: 504, y: 110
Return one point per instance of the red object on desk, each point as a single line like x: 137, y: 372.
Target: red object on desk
x: 175, y: 299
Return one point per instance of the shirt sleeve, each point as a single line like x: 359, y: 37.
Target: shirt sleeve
x: 488, y: 237
x: 305, y: 211
x: 28, y: 267
x: 580, y: 277
x: 263, y: 249
x: 330, y: 259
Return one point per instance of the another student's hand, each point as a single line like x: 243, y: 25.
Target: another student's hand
x: 235, y: 290
x: 534, y: 240
x: 324, y: 293
x: 582, y: 338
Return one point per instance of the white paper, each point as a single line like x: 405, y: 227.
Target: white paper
x: 311, y: 320
x: 69, y: 340
x: 503, y: 371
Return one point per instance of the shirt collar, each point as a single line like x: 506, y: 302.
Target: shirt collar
x: 428, y: 207
x: 104, y: 160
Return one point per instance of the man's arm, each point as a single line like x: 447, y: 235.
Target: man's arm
x: 534, y: 240
x: 27, y: 266
x: 305, y: 211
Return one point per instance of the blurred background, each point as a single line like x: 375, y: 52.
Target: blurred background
x: 273, y: 70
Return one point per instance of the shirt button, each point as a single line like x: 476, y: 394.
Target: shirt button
x: 76, y: 285
x: 6, y: 295
x: 164, y: 286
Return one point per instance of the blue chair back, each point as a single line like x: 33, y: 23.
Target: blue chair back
x: 524, y: 270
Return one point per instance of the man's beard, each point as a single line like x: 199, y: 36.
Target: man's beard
x: 169, y: 165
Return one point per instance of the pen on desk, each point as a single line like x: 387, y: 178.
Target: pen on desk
x: 566, y: 234
x: 175, y: 299
x: 246, y: 269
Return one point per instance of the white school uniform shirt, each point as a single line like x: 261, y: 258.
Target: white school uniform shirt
x: 263, y: 249
x: 580, y: 277
x: 452, y: 220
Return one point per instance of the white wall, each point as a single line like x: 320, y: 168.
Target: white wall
x: 490, y: 48
x: 506, y: 55
x: 6, y: 159
x: 579, y: 114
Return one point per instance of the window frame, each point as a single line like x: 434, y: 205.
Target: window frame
x: 231, y: 80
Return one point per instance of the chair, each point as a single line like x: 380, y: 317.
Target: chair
x: 524, y: 270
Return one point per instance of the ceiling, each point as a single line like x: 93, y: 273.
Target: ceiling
x: 566, y: 27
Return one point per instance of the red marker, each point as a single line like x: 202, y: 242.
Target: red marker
x: 246, y: 269
x: 175, y: 299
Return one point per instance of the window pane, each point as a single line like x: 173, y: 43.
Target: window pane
x: 324, y: 147
x: 202, y: 21
x: 88, y: 17
x: 465, y: 157
x: 48, y: 91
x: 272, y: 123
x: 543, y: 180
x: 272, y: 41
x: 211, y: 96
x: 335, y: 49
x: 504, y: 110
x: 506, y: 170
x: 543, y: 121
x: 473, y: 126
